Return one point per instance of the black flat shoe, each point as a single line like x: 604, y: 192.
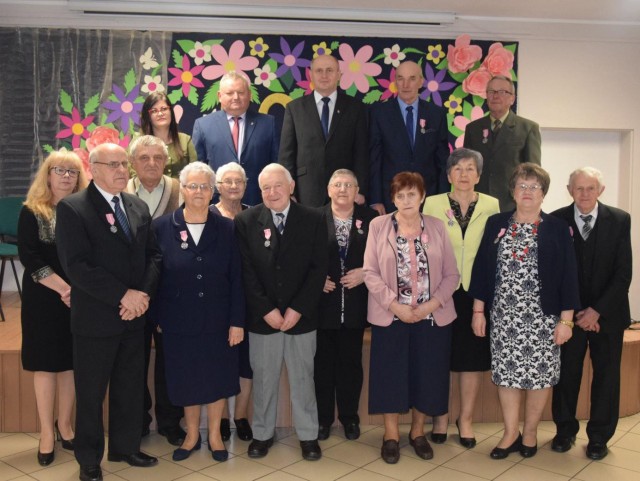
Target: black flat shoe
x: 324, y: 432
x: 390, y: 451
x: 528, y: 451
x: 352, y: 431
x: 66, y: 443
x: 562, y: 444
x: 310, y: 450
x: 421, y: 447
x: 220, y: 455
x: 502, y: 453
x: 243, y: 429
x: 45, y: 459
x: 181, y: 454
x: 438, y: 438
x: 465, y: 442
x: 225, y: 429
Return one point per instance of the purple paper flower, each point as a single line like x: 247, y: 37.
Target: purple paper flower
x: 289, y: 59
x: 126, y: 108
x: 433, y: 83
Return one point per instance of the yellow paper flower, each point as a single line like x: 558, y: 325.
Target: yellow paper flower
x: 321, y: 49
x: 435, y: 53
x: 258, y: 47
x: 454, y: 104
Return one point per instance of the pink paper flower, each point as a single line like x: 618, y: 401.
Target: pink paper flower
x: 84, y: 157
x: 462, y: 56
x: 229, y: 61
x: 77, y: 127
x: 106, y: 135
x: 391, y: 89
x: 476, y: 82
x: 307, y: 84
x: 461, y: 122
x: 499, y: 60
x: 187, y: 76
x: 355, y: 67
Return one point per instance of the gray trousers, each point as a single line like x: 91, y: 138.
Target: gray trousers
x: 266, y: 354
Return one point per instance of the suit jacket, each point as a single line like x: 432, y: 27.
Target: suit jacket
x: 201, y: 289
x: 612, y: 266
x: 288, y: 272
x: 465, y: 248
x: 391, y: 151
x: 171, y: 196
x: 214, y: 144
x: 311, y: 159
x: 355, y: 300
x: 102, y: 265
x: 381, y: 270
x: 518, y: 141
x: 557, y: 271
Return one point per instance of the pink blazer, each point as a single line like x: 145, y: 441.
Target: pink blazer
x: 381, y: 271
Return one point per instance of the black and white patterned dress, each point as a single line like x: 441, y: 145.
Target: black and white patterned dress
x: 523, y: 354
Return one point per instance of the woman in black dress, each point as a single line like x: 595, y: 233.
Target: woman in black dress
x: 46, y: 335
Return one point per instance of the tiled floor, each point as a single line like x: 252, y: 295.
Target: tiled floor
x: 349, y: 460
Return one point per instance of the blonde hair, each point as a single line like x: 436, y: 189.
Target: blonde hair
x: 40, y: 197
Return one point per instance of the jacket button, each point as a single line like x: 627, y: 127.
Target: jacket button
x: 199, y: 259
x: 199, y: 276
x: 200, y: 294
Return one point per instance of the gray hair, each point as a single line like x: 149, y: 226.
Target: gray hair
x: 588, y: 172
x: 94, y: 155
x: 230, y: 167
x: 232, y: 75
x: 194, y: 167
x: 506, y: 79
x: 275, y: 169
x: 147, y: 141
x: 340, y: 172
x: 463, y: 154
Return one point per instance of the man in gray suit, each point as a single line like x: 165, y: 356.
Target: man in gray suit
x: 503, y: 139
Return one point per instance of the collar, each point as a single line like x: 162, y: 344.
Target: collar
x: 138, y: 186
x: 108, y: 195
x: 231, y: 117
x: 593, y: 213
x: 501, y: 119
x: 403, y: 106
x: 318, y: 97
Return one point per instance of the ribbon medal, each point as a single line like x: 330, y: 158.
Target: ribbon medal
x: 267, y: 236
x: 425, y: 240
x: 423, y: 126
x: 359, y: 226
x: 500, y: 235
x: 112, y: 222
x: 183, y: 236
x: 449, y: 214
x: 485, y: 136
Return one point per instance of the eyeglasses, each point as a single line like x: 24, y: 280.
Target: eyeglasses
x: 231, y: 183
x: 193, y: 187
x: 525, y: 187
x: 499, y: 93
x: 114, y: 164
x: 61, y: 171
x: 161, y: 110
x: 346, y: 185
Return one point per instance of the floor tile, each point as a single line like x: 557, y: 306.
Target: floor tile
x: 27, y: 461
x: 480, y: 464
x: 281, y: 476
x: 441, y: 473
x: 237, y: 469
x: 597, y: 471
x: 629, y: 441
x: 164, y: 471
x: 353, y: 453
x: 195, y: 477
x: 406, y: 469
x: 622, y: 458
x: 8, y: 472
x: 198, y: 460
x: 325, y: 469
x: 520, y: 472
x: 62, y: 472
x: 559, y: 463
x: 16, y: 443
x: 364, y: 475
x: 280, y: 456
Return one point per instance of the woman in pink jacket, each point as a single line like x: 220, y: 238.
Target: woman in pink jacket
x: 411, y: 273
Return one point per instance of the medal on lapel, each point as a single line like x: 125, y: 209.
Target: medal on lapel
x: 267, y: 236
x: 183, y: 236
x: 485, y: 136
x: 359, y: 226
x: 112, y: 222
x: 423, y: 126
x: 449, y: 214
x: 425, y: 240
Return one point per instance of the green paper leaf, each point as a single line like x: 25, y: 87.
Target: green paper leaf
x: 213, y: 42
x: 414, y: 50
x: 175, y: 96
x: 177, y: 58
x: 478, y: 101
x: 91, y: 105
x: 155, y: 71
x: 276, y: 86
x: 139, y: 100
x: 47, y: 148
x: 297, y: 93
x: 372, y: 97
x: 378, y: 57
x: 514, y: 77
x: 443, y: 64
x: 466, y: 109
x: 193, y: 96
x: 287, y: 80
x: 372, y: 82
x: 459, y: 77
x: 455, y: 130
x: 334, y: 45
x: 459, y: 93
x: 351, y: 91
x: 113, y: 98
x: 186, y: 45
x: 210, y: 99
x: 273, y: 65
x: 130, y: 81
x: 255, y: 96
x: 65, y: 102
x: 511, y: 48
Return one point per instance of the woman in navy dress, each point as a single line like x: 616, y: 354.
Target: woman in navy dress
x: 200, y: 308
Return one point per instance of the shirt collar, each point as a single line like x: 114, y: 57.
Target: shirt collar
x: 138, y: 185
x: 403, y: 105
x: 318, y: 97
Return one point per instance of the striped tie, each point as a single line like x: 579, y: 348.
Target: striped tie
x: 122, y: 219
x: 280, y: 225
x: 587, y: 227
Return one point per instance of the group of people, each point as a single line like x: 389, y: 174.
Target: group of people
x: 236, y: 263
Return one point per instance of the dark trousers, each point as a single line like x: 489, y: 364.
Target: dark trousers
x: 167, y: 415
x: 605, y: 349
x: 116, y: 362
x: 338, y: 374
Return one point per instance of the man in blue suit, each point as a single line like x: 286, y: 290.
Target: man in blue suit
x: 407, y: 134
x: 236, y: 134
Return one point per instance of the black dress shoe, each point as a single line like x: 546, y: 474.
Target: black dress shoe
x: 438, y: 438
x: 243, y: 429
x: 390, y: 451
x: 90, y: 473
x: 352, y: 431
x: 181, y: 453
x: 66, y: 443
x: 225, y: 429
x: 311, y: 450
x: 175, y: 435
x: 324, y: 432
x: 465, y: 442
x: 562, y: 444
x: 45, y: 459
x: 421, y: 447
x: 597, y: 451
x: 139, y: 459
x: 528, y: 451
x: 259, y: 449
x: 502, y: 453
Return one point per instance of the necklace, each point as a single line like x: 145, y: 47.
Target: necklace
x: 513, y: 231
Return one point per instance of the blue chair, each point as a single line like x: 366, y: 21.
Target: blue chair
x: 9, y: 212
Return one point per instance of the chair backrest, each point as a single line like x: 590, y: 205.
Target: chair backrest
x: 9, y: 212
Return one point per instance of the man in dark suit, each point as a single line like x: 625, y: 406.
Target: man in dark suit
x: 602, y: 241
x: 324, y: 132
x: 504, y: 140
x: 407, y: 134
x: 236, y: 134
x: 107, y: 248
x: 284, y: 257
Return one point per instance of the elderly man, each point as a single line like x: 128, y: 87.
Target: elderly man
x: 602, y: 241
x: 324, y: 132
x: 107, y: 248
x: 161, y: 193
x: 407, y: 134
x: 236, y: 134
x: 284, y: 255
x: 504, y: 140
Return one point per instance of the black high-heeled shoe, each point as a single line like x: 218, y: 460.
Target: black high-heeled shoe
x: 66, y: 443
x: 45, y: 459
x: 465, y: 442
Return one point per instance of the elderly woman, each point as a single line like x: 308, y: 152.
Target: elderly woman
x: 410, y: 271
x: 231, y: 183
x: 465, y: 213
x: 200, y: 308
x: 525, y: 278
x: 156, y: 118
x: 343, y: 308
x: 46, y: 334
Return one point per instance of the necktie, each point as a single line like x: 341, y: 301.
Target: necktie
x: 587, y: 227
x: 280, y: 225
x: 324, y: 119
x: 410, y: 125
x: 235, y: 132
x: 122, y: 219
x: 496, y: 127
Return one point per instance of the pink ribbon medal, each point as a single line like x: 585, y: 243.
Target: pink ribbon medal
x: 183, y: 236
x: 449, y: 214
x: 424, y: 238
x: 485, y: 136
x: 359, y: 226
x: 112, y: 222
x: 423, y: 126
x: 267, y: 236
x: 501, y: 234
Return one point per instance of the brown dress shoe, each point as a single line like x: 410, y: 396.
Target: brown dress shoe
x: 390, y: 451
x: 422, y: 447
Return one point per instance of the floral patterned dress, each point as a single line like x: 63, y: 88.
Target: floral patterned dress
x: 523, y: 354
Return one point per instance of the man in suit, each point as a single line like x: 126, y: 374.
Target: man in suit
x: 161, y: 193
x: 602, y: 241
x: 107, y: 248
x: 407, y: 134
x: 284, y: 255
x: 324, y: 132
x: 236, y: 134
x: 504, y: 140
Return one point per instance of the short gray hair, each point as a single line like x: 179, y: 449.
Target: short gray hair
x: 275, y: 168
x: 147, y: 141
x: 94, y: 155
x: 231, y: 167
x: 197, y: 166
x: 340, y: 172
x: 462, y: 154
x: 589, y: 172
x: 506, y: 79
